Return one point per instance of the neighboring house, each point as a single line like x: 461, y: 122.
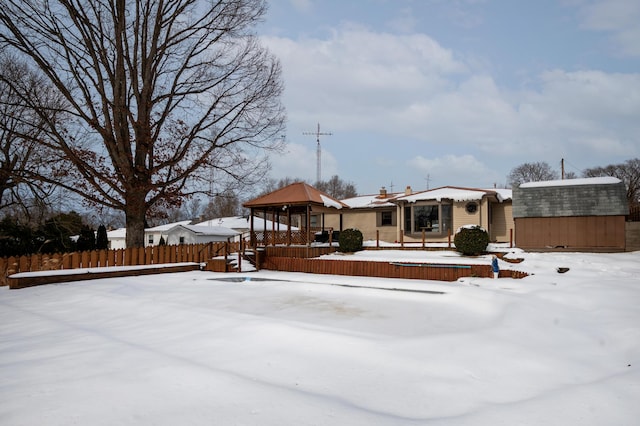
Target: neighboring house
x: 435, y: 213
x: 576, y: 214
x: 242, y: 224
x: 194, y: 234
x: 117, y: 238
x: 152, y: 235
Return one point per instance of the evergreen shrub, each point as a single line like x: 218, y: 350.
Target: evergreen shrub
x: 350, y: 240
x: 471, y: 241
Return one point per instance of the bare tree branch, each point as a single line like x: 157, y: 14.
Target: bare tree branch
x: 159, y: 92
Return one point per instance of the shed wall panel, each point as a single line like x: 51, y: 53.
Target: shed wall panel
x: 583, y: 232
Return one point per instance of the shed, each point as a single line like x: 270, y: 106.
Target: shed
x: 574, y: 214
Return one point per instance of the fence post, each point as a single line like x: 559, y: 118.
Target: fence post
x: 449, y: 237
x: 510, y: 237
x: 377, y: 238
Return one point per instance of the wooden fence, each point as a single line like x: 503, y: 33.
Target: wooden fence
x: 155, y: 255
x: 423, y: 271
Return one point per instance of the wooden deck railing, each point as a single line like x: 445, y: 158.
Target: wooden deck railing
x: 423, y: 271
x: 155, y: 255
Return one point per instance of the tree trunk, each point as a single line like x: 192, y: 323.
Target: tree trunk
x: 135, y: 211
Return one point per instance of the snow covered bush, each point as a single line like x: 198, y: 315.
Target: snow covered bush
x: 471, y: 241
x: 350, y: 240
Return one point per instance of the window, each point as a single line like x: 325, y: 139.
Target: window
x: 181, y: 239
x: 430, y: 218
x: 386, y: 218
x: 150, y: 239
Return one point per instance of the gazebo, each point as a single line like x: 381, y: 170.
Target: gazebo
x: 297, y: 204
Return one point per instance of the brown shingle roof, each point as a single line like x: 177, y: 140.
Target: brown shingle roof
x: 298, y: 193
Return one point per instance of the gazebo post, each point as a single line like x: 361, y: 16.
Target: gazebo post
x: 288, y: 226
x: 308, y: 224
x: 273, y: 229
x: 252, y: 235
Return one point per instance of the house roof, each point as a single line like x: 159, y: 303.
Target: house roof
x: 298, y: 193
x: 455, y: 194
x: 207, y: 230
x: 571, y: 197
x: 242, y: 223
x: 371, y: 201
x: 166, y: 227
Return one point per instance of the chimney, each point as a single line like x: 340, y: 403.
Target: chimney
x: 408, y: 190
x: 383, y: 192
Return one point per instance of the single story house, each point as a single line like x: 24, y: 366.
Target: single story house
x: 434, y: 214
x: 193, y: 234
x: 242, y: 224
x: 153, y: 235
x: 117, y: 238
x: 573, y: 214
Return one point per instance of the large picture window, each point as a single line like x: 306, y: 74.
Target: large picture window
x: 430, y: 218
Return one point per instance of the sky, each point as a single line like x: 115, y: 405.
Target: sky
x: 430, y: 93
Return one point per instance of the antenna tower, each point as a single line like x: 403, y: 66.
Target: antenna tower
x: 317, y: 134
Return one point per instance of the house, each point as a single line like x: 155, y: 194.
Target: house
x: 194, y: 234
x: 574, y: 214
x: 243, y: 224
x: 153, y: 235
x: 373, y: 215
x: 117, y: 238
x: 434, y: 215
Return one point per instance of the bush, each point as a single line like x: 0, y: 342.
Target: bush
x: 350, y: 240
x: 471, y: 241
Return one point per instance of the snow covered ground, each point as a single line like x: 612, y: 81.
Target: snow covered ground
x: 275, y: 348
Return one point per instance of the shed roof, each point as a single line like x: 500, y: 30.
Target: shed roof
x: 298, y: 193
x: 584, y: 197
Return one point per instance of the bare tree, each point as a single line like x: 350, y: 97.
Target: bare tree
x: 337, y: 188
x: 20, y: 127
x: 222, y: 205
x: 531, y: 172
x: 159, y: 93
x: 628, y: 172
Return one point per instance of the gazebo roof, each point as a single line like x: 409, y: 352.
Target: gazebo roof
x: 296, y: 194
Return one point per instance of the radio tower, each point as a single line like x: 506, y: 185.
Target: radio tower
x: 317, y: 134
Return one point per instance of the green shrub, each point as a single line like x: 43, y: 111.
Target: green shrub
x: 350, y: 240
x: 471, y: 241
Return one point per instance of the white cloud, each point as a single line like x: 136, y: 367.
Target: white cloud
x: 302, y: 5
x: 299, y: 161
x: 400, y: 96
x: 619, y: 17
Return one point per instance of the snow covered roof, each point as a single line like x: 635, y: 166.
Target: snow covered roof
x: 455, y: 194
x: 117, y: 233
x: 370, y: 201
x: 605, y: 180
x: 207, y: 230
x: 241, y: 223
x: 166, y: 227
x: 233, y: 222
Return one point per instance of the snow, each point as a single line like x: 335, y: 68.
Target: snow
x: 285, y: 348
x: 606, y: 180
x: 455, y: 194
x: 330, y: 202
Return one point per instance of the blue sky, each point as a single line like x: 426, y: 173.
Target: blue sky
x: 429, y: 93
